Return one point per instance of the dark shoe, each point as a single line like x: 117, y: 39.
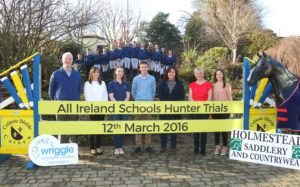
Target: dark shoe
x: 163, y: 150
x: 196, y: 151
x: 137, y: 150
x: 149, y: 150
x: 203, y: 152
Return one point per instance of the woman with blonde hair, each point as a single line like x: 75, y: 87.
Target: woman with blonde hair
x: 200, y: 90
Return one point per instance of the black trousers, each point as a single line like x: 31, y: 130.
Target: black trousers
x: 218, y: 134
x: 202, y: 135
x: 95, y: 140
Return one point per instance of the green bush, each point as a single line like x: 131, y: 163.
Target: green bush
x: 211, y: 60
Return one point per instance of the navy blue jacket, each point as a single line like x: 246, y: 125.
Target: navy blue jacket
x: 170, y: 61
x: 156, y: 56
x: 126, y: 52
x: 105, y: 58
x: 63, y: 87
x: 142, y: 54
x: 178, y: 93
x: 134, y: 52
x: 118, y: 53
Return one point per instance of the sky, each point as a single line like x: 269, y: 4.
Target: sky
x: 282, y: 16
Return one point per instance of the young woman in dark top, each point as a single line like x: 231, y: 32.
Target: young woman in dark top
x: 170, y: 89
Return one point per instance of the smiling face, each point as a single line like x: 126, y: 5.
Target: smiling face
x: 219, y: 76
x: 171, y: 74
x: 67, y: 60
x: 144, y: 69
x: 96, y: 75
x: 199, y: 74
x: 119, y: 73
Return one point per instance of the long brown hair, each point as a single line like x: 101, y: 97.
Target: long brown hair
x: 224, y: 79
x: 124, y: 75
x: 93, y: 70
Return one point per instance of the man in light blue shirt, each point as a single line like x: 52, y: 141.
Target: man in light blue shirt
x: 143, y: 89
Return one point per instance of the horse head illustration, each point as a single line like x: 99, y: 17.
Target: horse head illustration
x: 286, y: 90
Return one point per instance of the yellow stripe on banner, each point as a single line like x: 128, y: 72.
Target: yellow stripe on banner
x: 28, y: 59
x: 20, y: 88
x: 138, y: 127
x: 16, y: 113
x: 260, y: 89
x: 140, y: 107
x: 13, y: 150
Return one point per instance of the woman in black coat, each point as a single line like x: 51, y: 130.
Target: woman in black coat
x: 170, y: 89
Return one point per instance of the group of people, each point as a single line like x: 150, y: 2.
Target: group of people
x: 129, y: 56
x: 65, y: 84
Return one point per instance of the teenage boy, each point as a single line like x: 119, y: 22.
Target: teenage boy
x: 143, y: 89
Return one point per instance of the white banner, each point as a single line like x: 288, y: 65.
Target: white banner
x: 280, y: 150
x: 45, y: 150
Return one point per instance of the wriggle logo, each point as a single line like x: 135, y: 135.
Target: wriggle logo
x: 45, y: 150
x: 58, y: 151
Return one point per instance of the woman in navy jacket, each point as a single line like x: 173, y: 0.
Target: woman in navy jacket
x: 170, y: 89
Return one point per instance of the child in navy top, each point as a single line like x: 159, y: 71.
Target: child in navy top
x: 134, y: 56
x: 142, y: 53
x: 170, y: 60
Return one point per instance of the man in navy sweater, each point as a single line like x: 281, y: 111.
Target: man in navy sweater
x: 65, y: 85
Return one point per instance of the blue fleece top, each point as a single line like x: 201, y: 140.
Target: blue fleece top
x: 170, y: 60
x: 143, y: 88
x: 118, y: 53
x: 111, y: 55
x: 150, y: 54
x: 98, y: 59
x: 134, y: 52
x: 105, y: 58
x: 156, y: 56
x: 64, y: 87
x: 163, y: 58
x: 126, y: 53
x: 142, y: 54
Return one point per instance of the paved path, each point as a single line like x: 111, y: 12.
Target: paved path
x: 180, y: 169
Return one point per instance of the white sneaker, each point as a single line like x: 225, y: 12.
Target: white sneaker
x: 217, y: 150
x: 121, y: 151
x: 99, y: 151
x: 117, y: 151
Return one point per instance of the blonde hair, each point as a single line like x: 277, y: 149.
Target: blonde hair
x: 199, y: 69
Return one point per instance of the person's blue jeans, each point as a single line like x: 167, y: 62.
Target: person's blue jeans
x: 118, y: 139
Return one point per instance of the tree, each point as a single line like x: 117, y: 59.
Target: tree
x: 86, y: 19
x: 35, y: 25
x: 258, y: 40
x: 160, y: 30
x: 195, y: 31
x: 115, y: 22
x: 287, y: 52
x: 231, y: 20
x: 212, y: 59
